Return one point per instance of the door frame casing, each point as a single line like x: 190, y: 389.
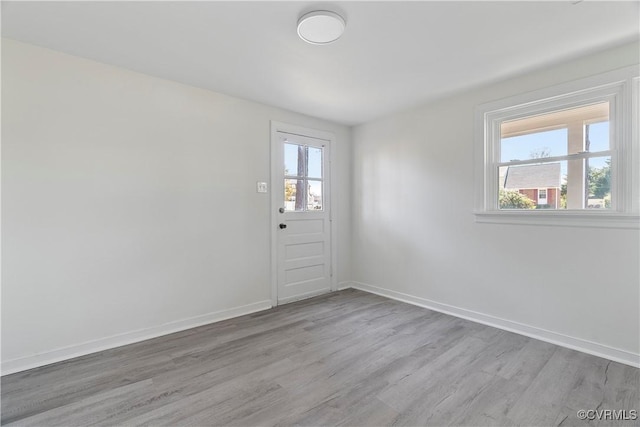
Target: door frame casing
x: 275, y: 186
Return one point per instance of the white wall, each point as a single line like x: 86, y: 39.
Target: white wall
x: 414, y: 235
x: 129, y: 205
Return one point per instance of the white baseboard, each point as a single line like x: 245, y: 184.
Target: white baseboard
x: 69, y: 352
x: 579, y: 344
x: 345, y: 285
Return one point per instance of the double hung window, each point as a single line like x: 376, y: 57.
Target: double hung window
x: 566, y: 155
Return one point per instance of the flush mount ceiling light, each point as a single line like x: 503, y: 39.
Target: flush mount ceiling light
x: 320, y: 27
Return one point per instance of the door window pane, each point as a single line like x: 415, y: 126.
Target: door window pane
x: 315, y: 162
x: 315, y: 195
x: 293, y: 160
x: 294, y: 195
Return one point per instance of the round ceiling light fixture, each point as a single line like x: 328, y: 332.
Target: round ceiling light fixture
x: 321, y: 27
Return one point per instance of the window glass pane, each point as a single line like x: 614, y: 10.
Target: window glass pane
x: 294, y: 160
x: 598, y: 182
x: 534, y: 145
x: 597, y: 137
x: 558, y: 133
x: 315, y: 162
x: 315, y: 195
x: 537, y: 186
x: 294, y: 192
x: 583, y: 183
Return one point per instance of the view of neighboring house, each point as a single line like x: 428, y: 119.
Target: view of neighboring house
x: 540, y: 183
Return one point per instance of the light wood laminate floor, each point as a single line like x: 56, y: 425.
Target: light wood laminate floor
x: 347, y: 358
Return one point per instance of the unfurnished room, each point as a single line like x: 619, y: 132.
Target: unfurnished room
x: 349, y: 213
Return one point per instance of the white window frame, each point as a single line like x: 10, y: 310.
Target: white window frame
x: 622, y: 89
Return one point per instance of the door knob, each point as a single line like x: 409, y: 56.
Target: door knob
x: 283, y: 226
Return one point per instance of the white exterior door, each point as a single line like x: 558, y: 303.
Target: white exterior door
x: 301, y: 223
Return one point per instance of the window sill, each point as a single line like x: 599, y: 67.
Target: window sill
x: 562, y: 219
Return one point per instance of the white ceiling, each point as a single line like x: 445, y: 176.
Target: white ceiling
x: 392, y: 56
